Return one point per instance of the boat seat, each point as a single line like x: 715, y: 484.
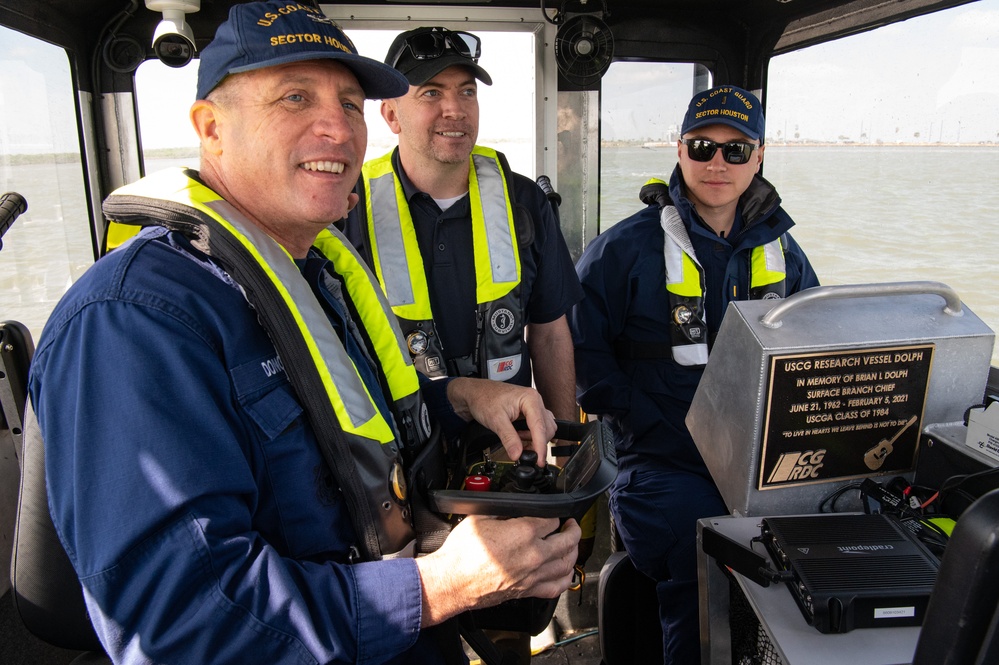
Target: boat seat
x: 628, y: 614
x: 961, y: 626
x: 46, y: 591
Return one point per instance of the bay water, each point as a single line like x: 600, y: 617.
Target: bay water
x: 864, y: 214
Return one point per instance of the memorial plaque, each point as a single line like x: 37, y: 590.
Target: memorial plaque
x: 840, y: 415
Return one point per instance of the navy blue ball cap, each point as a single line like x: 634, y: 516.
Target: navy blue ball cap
x: 264, y: 34
x: 726, y: 105
x: 419, y: 70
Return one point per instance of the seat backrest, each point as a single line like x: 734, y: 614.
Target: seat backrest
x: 16, y: 350
x: 628, y: 619
x: 47, y: 593
x: 960, y: 627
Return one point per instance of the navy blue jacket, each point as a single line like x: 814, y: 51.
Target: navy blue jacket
x: 187, y: 485
x: 623, y: 277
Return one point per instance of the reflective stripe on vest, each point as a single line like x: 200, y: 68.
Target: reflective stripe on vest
x: 494, y: 235
x: 363, y: 455
x: 374, y: 312
x: 354, y: 406
x: 768, y: 271
x: 395, y: 250
x: 399, y: 265
x: 685, y: 285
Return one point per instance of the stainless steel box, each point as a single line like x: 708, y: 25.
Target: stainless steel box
x: 804, y: 396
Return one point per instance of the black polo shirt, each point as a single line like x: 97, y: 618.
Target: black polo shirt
x: 549, y: 285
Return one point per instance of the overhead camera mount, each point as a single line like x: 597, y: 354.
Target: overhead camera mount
x: 173, y: 40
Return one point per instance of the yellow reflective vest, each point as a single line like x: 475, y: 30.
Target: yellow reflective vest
x: 360, y: 445
x: 398, y: 264
x: 685, y: 284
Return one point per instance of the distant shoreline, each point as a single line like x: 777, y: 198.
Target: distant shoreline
x: 72, y: 157
x: 809, y: 144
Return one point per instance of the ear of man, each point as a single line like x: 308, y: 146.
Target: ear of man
x: 390, y: 113
x: 205, y: 116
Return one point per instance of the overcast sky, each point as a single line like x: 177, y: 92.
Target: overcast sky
x: 943, y: 79
x: 937, y: 74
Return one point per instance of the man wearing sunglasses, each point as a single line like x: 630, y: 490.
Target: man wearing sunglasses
x: 656, y: 287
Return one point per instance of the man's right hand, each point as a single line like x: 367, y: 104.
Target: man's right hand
x: 488, y: 560
x: 496, y: 405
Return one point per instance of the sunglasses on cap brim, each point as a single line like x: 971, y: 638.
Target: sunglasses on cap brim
x: 434, y: 44
x: 733, y: 152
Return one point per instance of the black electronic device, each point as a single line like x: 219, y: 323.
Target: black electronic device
x: 852, y: 571
x: 521, y: 489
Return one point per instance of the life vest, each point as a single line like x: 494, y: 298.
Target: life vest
x: 398, y: 264
x: 685, y: 279
x: 358, y: 442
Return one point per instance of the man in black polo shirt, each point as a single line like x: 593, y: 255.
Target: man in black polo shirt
x: 470, y: 253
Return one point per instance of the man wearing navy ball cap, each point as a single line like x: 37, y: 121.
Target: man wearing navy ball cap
x: 227, y: 404
x: 656, y: 288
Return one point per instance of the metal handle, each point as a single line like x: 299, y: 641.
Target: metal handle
x: 953, y: 307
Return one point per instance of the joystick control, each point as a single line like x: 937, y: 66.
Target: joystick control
x: 524, y: 473
x: 520, y: 487
x: 526, y: 477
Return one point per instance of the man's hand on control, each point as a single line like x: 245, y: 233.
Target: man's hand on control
x: 496, y: 405
x: 488, y: 560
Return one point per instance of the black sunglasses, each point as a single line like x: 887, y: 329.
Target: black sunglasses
x: 430, y: 45
x: 733, y: 152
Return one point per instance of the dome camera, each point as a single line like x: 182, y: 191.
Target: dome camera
x: 173, y: 40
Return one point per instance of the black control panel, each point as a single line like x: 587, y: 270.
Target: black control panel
x: 522, y: 488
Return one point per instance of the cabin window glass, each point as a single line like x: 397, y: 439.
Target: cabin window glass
x: 506, y: 108
x: 49, y: 246
x: 888, y: 165
x: 163, y: 99
x: 641, y: 108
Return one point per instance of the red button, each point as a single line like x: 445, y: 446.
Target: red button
x: 478, y: 483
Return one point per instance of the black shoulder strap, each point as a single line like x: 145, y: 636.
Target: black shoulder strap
x: 522, y: 218
x: 481, y: 644
x: 348, y: 463
x: 656, y: 192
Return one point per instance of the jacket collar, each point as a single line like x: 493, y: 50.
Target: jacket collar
x: 757, y: 205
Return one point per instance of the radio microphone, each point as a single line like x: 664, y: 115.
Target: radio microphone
x: 545, y: 183
x: 12, y: 205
